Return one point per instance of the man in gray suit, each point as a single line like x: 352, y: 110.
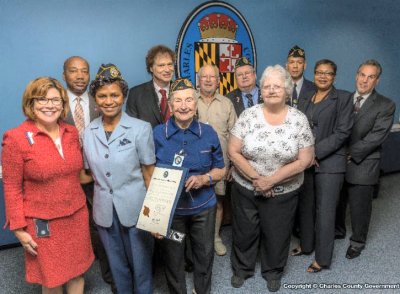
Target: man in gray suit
x: 82, y: 111
x: 372, y: 122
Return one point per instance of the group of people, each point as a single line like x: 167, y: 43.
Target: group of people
x: 289, y: 151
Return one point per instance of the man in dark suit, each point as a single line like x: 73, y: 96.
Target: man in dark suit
x: 372, y: 122
x: 296, y: 65
x: 247, y: 94
x: 147, y: 101
x: 83, y: 110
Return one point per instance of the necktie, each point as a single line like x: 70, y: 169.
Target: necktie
x: 250, y: 102
x: 165, y: 114
x: 357, y: 105
x: 79, y: 117
x: 294, y: 97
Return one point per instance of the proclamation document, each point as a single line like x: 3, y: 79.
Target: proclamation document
x: 161, y: 198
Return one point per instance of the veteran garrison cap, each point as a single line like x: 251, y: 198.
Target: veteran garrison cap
x: 109, y: 71
x: 242, y: 61
x: 296, y: 51
x: 181, y: 84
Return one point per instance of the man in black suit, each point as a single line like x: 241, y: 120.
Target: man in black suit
x: 296, y: 65
x: 372, y: 123
x: 247, y: 94
x: 83, y: 110
x: 146, y: 101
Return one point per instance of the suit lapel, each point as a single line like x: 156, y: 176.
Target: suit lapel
x: 93, y: 113
x: 331, y: 99
x: 239, y: 101
x: 154, y: 101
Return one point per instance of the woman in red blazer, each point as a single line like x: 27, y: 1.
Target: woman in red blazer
x: 45, y: 204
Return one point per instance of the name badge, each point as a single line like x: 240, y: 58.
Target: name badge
x: 178, y: 160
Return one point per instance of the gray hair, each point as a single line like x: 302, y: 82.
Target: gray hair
x: 372, y: 62
x: 282, y: 73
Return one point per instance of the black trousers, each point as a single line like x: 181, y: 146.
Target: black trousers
x: 199, y: 229
x: 359, y: 198
x: 320, y: 190
x: 261, y: 223
x: 97, y: 245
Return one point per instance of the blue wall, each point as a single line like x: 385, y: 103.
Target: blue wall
x: 37, y: 36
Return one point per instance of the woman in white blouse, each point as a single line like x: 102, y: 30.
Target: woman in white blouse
x: 270, y: 146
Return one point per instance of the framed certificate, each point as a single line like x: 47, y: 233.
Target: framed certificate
x: 161, y: 199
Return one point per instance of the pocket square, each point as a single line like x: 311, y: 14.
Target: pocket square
x: 124, y: 142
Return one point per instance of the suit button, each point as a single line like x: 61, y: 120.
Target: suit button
x: 106, y: 156
x: 111, y: 191
x: 108, y: 174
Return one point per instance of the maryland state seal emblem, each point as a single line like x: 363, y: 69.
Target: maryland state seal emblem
x: 214, y: 33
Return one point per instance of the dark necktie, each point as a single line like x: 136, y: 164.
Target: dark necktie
x: 165, y: 114
x: 250, y: 102
x: 294, y: 97
x: 357, y: 105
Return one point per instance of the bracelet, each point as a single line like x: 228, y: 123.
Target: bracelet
x: 210, y: 177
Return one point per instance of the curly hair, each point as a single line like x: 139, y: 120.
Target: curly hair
x: 154, y: 51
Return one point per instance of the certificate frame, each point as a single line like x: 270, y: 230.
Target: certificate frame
x: 159, y: 204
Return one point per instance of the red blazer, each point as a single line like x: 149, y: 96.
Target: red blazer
x: 38, y: 182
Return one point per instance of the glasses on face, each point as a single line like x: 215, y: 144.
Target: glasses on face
x: 324, y: 74
x: 274, y: 88
x: 244, y: 74
x: 56, y: 101
x: 363, y: 76
x: 210, y: 77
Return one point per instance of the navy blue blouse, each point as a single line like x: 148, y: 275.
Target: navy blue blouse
x: 202, y: 152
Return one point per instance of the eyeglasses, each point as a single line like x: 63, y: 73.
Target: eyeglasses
x: 44, y: 101
x: 244, y: 74
x: 275, y: 88
x: 204, y: 78
x: 321, y: 73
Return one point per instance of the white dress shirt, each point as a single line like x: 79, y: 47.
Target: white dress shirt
x: 84, y: 103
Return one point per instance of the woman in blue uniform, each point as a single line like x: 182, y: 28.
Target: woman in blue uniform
x: 119, y: 152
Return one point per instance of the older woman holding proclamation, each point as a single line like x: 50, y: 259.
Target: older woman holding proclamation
x: 45, y: 204
x: 198, y: 145
x: 330, y: 113
x: 271, y: 144
x: 119, y: 152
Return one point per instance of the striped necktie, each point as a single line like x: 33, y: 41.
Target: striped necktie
x: 79, y: 117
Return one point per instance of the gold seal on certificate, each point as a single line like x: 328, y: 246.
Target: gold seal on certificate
x: 159, y: 204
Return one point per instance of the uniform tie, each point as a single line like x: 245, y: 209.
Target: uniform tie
x: 294, y: 97
x: 250, y: 102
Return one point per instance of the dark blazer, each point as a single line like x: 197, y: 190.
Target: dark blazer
x: 331, y: 124
x: 143, y: 103
x: 372, y: 125
x: 236, y: 97
x: 306, y: 87
x: 93, y: 113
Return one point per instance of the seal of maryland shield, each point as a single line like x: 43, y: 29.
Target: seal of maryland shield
x: 214, y: 33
